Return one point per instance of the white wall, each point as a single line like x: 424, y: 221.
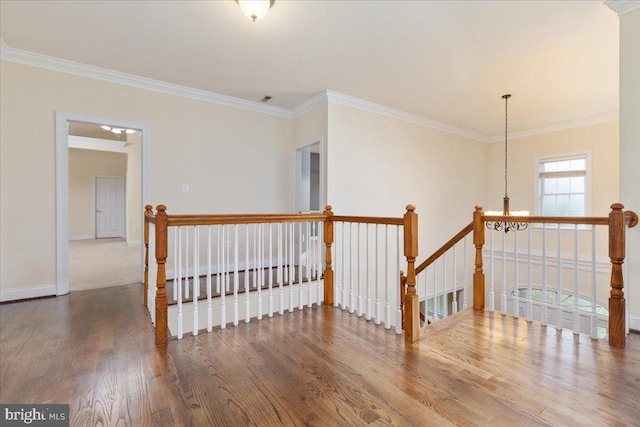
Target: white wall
x: 377, y: 165
x: 234, y: 160
x: 83, y: 166
x: 630, y: 148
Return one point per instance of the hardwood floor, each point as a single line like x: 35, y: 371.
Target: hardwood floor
x: 321, y: 366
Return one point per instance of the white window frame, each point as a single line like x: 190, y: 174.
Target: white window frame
x: 559, y: 157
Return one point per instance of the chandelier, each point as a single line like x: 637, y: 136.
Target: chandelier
x: 506, y: 225
x: 255, y: 9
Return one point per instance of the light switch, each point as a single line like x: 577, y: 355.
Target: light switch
x: 185, y: 188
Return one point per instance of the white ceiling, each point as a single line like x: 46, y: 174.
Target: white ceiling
x: 447, y: 61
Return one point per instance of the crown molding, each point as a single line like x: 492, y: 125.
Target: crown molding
x: 361, y: 104
x: 622, y: 7
x: 308, y: 105
x: 70, y: 67
x: 605, y: 118
x: 61, y: 65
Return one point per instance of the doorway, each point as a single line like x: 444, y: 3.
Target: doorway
x: 116, y: 231
x: 308, y: 178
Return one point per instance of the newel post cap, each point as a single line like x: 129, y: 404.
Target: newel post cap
x: 617, y: 206
x: 411, y: 208
x: 479, y: 208
x: 161, y: 208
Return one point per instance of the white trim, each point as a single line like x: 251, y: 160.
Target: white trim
x: 361, y: 104
x: 81, y: 237
x: 605, y: 118
x: 30, y: 292
x: 634, y: 322
x: 622, y: 7
x: 310, y: 104
x: 89, y: 71
x: 100, y: 144
x: 65, y: 66
x: 62, y: 185
x: 296, y: 168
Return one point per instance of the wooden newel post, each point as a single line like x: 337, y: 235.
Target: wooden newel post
x: 478, y: 274
x: 148, y: 211
x: 162, y: 333
x: 411, y: 309
x: 617, y: 327
x: 328, y: 268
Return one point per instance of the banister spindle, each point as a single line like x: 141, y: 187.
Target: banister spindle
x: 411, y: 309
x: 161, y: 279
x: 328, y: 241
x: 617, y: 319
x: 148, y: 211
x: 478, y: 275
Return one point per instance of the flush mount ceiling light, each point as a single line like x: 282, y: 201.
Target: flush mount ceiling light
x: 117, y: 131
x: 255, y: 9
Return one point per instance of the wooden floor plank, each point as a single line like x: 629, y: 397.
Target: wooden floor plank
x: 318, y: 367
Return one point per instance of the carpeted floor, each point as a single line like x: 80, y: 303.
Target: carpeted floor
x: 102, y: 263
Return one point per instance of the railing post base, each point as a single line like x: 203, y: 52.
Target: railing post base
x: 617, y: 326
x: 412, y: 316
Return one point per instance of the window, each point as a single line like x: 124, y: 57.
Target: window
x: 562, y: 186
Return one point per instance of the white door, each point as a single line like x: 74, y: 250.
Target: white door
x: 109, y: 207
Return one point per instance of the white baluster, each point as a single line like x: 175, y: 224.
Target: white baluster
x: 454, y: 303
x: 359, y: 255
x: 247, y: 276
x: 209, y: 307
x: 576, y: 289
x: 445, y: 299
x: 466, y: 274
x: 368, y: 290
x: 543, y: 306
x: 387, y: 319
x: 300, y: 273
x: 292, y: 267
x: 352, y: 299
x: 153, y: 273
x: 436, y: 314
x: 503, y: 299
x: 180, y: 319
x: 491, y: 273
x: 186, y: 263
x: 558, y: 307
x: 386, y: 274
x: 529, y: 278
x: 343, y: 302
x: 175, y: 263
x: 196, y: 277
x: 270, y: 270
x: 280, y: 267
x: 236, y: 284
x: 310, y: 264
x: 260, y: 257
x: 593, y: 325
x: 396, y: 286
x: 222, y: 286
x: 319, y: 289
x: 516, y: 295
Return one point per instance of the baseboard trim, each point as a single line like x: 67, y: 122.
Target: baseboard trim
x: 81, y: 237
x: 136, y: 243
x: 26, y: 293
x: 634, y: 322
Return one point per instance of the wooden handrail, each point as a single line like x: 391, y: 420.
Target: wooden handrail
x: 178, y: 220
x: 369, y: 220
x: 444, y: 248
x: 588, y: 220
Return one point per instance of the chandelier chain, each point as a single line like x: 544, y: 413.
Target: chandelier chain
x: 506, y: 99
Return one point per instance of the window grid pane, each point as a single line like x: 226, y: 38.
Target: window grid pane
x: 562, y: 187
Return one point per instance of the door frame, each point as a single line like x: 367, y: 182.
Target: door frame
x: 62, y: 185
x: 297, y: 166
x: 94, y: 193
